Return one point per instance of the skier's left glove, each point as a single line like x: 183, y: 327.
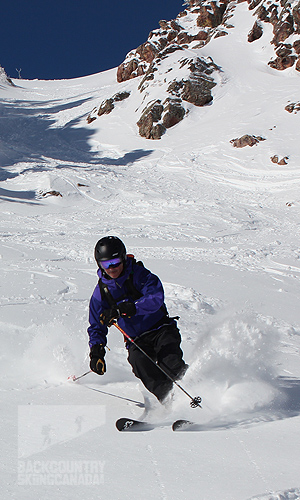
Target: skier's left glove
x: 127, y: 309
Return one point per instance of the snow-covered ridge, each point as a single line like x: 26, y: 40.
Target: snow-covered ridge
x: 4, y: 79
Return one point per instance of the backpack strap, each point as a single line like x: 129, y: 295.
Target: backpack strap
x: 130, y: 290
x: 106, y: 294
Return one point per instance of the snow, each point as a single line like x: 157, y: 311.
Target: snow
x: 219, y: 225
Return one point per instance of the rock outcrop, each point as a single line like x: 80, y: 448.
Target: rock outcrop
x: 172, y: 74
x: 293, y: 107
x: 157, y: 117
x: 284, y: 16
x: 175, y: 36
x: 246, y: 140
x: 107, y: 106
x: 150, y: 60
x: 283, y: 161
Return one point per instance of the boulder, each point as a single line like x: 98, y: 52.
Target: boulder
x: 296, y: 16
x: 246, y: 140
x: 282, y: 62
x: 197, y: 92
x: 282, y: 30
x: 120, y: 96
x: 293, y: 107
x: 106, y: 107
x: 150, y: 116
x: 157, y: 117
x: 256, y: 32
x: 197, y: 88
x: 296, y: 46
x: 127, y: 70
x: 253, y: 4
x: 147, y: 52
x: 157, y: 131
x: 173, y: 112
x: 211, y: 15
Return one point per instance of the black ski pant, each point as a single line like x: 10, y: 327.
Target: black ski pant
x: 163, y: 347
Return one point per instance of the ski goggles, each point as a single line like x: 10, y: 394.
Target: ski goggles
x: 106, y: 264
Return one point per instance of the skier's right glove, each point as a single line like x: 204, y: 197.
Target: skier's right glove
x: 97, y: 363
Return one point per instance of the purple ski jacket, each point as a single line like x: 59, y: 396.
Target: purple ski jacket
x: 149, y: 308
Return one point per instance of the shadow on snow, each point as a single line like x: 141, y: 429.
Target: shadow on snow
x: 29, y: 132
x: 20, y: 196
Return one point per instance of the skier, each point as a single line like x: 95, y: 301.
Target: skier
x: 129, y: 294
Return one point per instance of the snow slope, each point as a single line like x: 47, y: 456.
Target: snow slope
x: 219, y: 225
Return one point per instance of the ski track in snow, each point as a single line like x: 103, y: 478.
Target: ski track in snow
x: 220, y: 226
x: 292, y: 494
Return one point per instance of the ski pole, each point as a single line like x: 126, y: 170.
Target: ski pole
x: 74, y: 378
x: 194, y: 401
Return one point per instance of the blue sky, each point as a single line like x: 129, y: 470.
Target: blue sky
x: 53, y: 39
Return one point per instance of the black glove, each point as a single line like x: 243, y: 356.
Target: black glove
x: 124, y: 309
x: 127, y: 309
x: 97, y: 363
x: 109, y: 316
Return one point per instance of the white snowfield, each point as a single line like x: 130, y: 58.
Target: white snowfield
x: 219, y: 225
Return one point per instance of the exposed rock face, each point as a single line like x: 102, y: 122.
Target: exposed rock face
x: 256, y: 32
x: 107, y: 106
x: 197, y: 88
x: 174, y: 77
x: 294, y: 107
x: 194, y: 88
x: 296, y: 46
x: 157, y: 117
x: 283, y: 62
x: 211, y: 15
x: 148, y: 123
x: 283, y: 160
x: 173, y: 112
x: 246, y: 140
x: 172, y: 36
x: 285, y: 20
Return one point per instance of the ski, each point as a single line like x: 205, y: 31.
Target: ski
x: 181, y: 425
x: 131, y: 425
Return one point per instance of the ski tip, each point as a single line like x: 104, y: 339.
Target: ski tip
x: 123, y: 424
x: 129, y: 424
x: 181, y: 425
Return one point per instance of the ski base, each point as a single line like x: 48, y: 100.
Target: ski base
x: 131, y: 425
x: 181, y: 425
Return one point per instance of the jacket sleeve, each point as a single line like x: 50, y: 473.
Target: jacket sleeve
x: 97, y: 332
x: 151, y: 288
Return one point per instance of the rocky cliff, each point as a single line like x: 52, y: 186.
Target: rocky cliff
x: 172, y: 74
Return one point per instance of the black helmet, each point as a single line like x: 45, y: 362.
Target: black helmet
x: 109, y: 247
